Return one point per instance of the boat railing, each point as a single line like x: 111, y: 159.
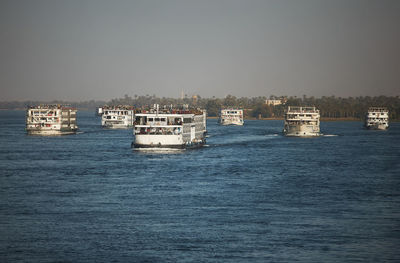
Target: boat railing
x: 298, y: 109
x: 377, y: 110
x: 157, y: 130
x: 301, y: 119
x: 154, y: 125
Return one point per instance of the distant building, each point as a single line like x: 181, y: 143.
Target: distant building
x: 273, y: 102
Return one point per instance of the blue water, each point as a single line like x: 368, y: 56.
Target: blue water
x: 250, y: 195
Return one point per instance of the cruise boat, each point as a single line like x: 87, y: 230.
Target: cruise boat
x: 231, y: 117
x: 117, y: 117
x: 301, y: 121
x: 169, y: 128
x: 51, y: 120
x: 377, y: 118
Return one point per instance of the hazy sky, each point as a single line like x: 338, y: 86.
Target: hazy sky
x: 79, y: 50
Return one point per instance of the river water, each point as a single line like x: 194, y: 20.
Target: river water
x: 249, y: 195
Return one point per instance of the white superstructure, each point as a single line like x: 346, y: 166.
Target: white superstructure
x: 169, y: 128
x: 51, y: 120
x: 301, y: 121
x: 231, y: 117
x: 377, y: 118
x: 99, y: 111
x: 116, y: 117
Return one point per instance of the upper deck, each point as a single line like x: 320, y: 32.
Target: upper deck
x: 378, y: 109
x: 375, y: 113
x: 118, y: 110
x: 47, y: 107
x: 48, y: 111
x: 232, y: 112
x: 167, y: 119
x: 295, y: 113
x: 299, y: 110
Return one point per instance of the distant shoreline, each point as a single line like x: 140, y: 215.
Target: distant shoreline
x: 253, y: 118
x: 281, y: 119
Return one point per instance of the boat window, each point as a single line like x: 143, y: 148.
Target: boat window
x: 187, y: 120
x: 162, y: 119
x: 157, y: 119
x: 150, y: 119
x: 178, y: 121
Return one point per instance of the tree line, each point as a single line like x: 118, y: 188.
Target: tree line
x: 255, y: 107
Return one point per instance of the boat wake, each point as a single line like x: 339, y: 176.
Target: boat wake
x: 246, y: 139
x: 329, y: 135
x: 158, y: 150
x: 272, y: 135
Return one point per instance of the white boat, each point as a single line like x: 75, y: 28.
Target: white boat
x: 377, y: 118
x: 169, y: 128
x: 231, y: 117
x: 51, y: 120
x: 118, y: 117
x: 99, y: 111
x: 301, y: 121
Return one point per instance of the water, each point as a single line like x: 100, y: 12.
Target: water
x: 250, y: 195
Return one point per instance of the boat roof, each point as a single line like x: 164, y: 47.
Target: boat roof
x: 377, y: 109
x: 51, y: 107
x: 165, y: 114
x: 302, y: 109
x: 118, y: 107
x: 168, y: 110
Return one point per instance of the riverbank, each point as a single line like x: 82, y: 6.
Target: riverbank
x: 281, y: 119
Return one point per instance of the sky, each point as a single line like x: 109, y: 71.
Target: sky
x: 93, y: 49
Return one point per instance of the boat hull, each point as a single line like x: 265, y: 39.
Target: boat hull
x: 301, y: 131
x: 50, y: 132
x: 232, y: 124
x: 380, y: 127
x: 117, y: 126
x: 113, y: 124
x: 165, y: 141
x: 229, y: 122
x: 303, y: 135
x: 171, y: 146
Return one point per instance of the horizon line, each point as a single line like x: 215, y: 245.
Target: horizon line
x: 191, y: 97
